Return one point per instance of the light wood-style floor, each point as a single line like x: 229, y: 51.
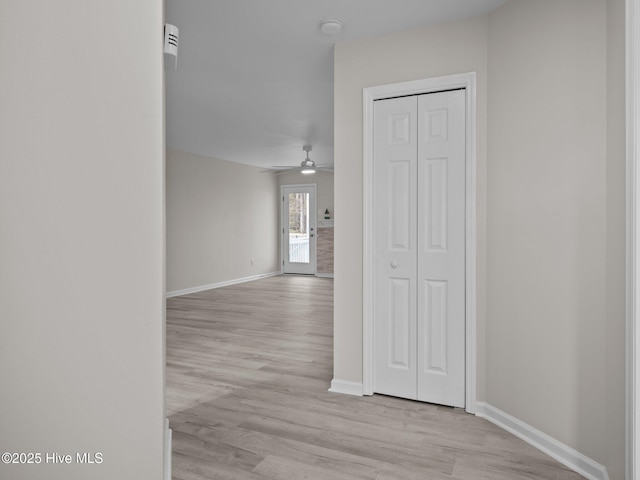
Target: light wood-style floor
x: 248, y: 367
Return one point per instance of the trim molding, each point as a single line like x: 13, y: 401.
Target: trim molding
x: 201, y: 288
x: 324, y: 275
x: 369, y: 95
x: 566, y: 455
x: 168, y: 442
x: 346, y: 387
x: 632, y: 42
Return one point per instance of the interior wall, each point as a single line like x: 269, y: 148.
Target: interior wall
x: 616, y: 231
x: 410, y: 55
x: 82, y: 237
x: 547, y: 218
x: 220, y: 216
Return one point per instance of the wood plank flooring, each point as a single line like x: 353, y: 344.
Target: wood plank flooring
x: 248, y: 367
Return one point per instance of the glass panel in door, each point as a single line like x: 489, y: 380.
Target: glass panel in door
x: 298, y: 227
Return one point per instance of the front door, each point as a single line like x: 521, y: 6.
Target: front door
x: 299, y: 229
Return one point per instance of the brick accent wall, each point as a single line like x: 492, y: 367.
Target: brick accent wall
x: 325, y: 250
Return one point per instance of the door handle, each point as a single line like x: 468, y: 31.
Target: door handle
x: 394, y: 264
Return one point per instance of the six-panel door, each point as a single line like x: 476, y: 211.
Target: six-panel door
x: 419, y: 224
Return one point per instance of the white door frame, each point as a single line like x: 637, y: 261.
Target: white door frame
x: 312, y: 245
x: 468, y: 82
x: 633, y: 239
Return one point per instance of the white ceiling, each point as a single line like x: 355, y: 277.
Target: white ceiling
x: 254, y: 81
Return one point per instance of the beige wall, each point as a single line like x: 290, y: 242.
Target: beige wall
x: 410, y: 55
x: 547, y: 219
x: 615, y: 316
x: 550, y: 207
x: 220, y: 215
x: 81, y: 236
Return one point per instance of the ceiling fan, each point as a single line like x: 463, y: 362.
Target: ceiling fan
x: 307, y: 166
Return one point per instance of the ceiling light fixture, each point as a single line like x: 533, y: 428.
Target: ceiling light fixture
x: 331, y: 27
x: 307, y: 166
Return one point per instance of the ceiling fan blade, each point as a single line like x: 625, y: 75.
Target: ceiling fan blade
x: 280, y: 171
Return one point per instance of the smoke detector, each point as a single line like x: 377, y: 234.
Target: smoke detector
x: 331, y: 27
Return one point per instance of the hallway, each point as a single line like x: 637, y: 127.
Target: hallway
x: 248, y: 368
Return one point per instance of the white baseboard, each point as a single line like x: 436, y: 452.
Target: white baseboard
x: 566, y: 455
x: 202, y: 288
x: 346, y: 387
x: 324, y: 275
x: 167, y: 450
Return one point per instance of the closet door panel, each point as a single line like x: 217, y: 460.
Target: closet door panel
x: 441, y: 248
x: 395, y: 243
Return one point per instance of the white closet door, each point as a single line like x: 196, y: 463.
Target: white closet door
x: 395, y: 206
x: 441, y: 255
x: 419, y: 225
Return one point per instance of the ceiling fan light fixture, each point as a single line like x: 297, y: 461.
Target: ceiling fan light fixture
x: 307, y: 166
